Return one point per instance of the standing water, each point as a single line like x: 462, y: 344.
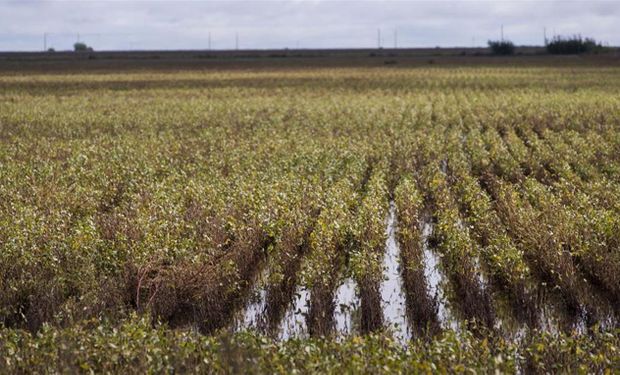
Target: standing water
x: 347, y: 303
x: 436, y: 280
x: 392, y: 293
x: 253, y: 315
x: 294, y: 322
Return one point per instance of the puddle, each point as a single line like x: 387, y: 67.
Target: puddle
x: 392, y: 293
x: 554, y: 319
x: 436, y: 280
x: 347, y: 304
x: 294, y: 321
x: 505, y: 320
x: 554, y: 316
x: 547, y: 322
x: 253, y: 316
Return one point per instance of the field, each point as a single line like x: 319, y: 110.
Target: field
x: 375, y: 218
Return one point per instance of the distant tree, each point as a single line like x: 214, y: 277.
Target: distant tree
x: 501, y: 47
x: 573, y: 45
x: 51, y: 50
x: 82, y: 47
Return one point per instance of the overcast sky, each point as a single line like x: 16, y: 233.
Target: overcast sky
x: 173, y: 24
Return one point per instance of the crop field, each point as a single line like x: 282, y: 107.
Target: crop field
x: 434, y: 218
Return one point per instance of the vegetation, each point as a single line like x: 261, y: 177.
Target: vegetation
x: 136, y: 346
x: 180, y: 221
x: 502, y: 47
x: 82, y: 47
x: 574, y: 45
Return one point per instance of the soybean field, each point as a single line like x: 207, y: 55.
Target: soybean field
x: 363, y: 219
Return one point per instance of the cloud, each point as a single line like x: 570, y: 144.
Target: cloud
x: 308, y: 24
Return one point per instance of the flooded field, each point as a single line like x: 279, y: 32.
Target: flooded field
x: 311, y: 219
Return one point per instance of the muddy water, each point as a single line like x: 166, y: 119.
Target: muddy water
x: 294, y: 321
x: 436, y: 280
x: 392, y: 293
x: 347, y: 308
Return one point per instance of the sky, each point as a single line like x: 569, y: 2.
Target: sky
x: 175, y: 24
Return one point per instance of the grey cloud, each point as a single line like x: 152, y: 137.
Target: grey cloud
x: 279, y: 24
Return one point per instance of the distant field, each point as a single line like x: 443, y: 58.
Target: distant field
x: 115, y: 61
x: 421, y: 214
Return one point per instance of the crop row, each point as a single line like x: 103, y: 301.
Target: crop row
x: 227, y: 200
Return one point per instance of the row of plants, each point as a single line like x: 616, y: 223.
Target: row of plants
x: 557, y: 220
x: 368, y: 248
x: 505, y: 262
x: 421, y: 306
x: 329, y: 247
x: 167, y: 194
x: 548, y: 260
x: 134, y: 345
x: 458, y: 252
x: 579, y: 199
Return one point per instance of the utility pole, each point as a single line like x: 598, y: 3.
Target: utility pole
x: 395, y: 38
x: 502, y: 39
x: 78, y: 37
x: 545, y: 35
x: 379, y: 38
x: 237, y: 41
x: 209, y: 40
x: 44, y: 42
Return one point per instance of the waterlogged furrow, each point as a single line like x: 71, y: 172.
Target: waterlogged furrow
x: 290, y: 220
x: 347, y: 314
x: 393, y: 301
x: 328, y: 248
x: 438, y: 284
x: 267, y: 298
x: 588, y: 257
x: 594, y: 220
x: 420, y: 274
x: 505, y: 263
x: 302, y: 270
x: 294, y: 322
x: 366, y: 259
x: 546, y: 258
x: 458, y: 253
x: 486, y: 170
x: 253, y: 315
x: 285, y: 264
x: 260, y: 200
x: 560, y: 224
